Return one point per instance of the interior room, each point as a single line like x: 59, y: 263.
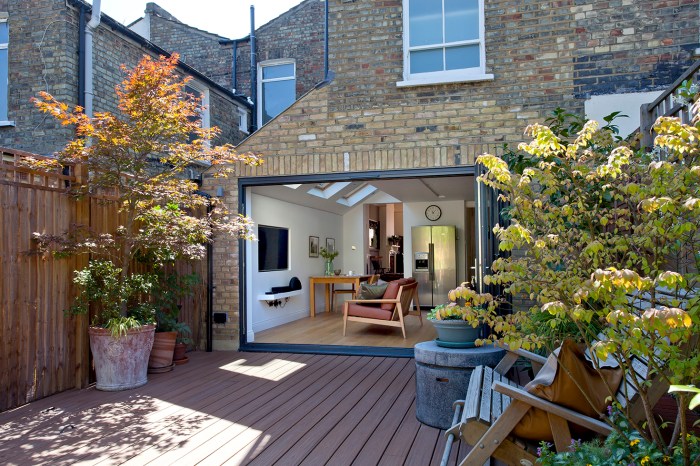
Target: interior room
x: 375, y: 226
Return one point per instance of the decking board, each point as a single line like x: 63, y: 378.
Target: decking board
x: 319, y: 410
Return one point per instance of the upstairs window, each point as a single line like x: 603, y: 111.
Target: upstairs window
x: 243, y: 120
x: 4, y: 43
x: 443, y: 41
x: 276, y: 88
x: 201, y: 92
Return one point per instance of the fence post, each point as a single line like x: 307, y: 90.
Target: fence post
x: 646, y: 121
x: 82, y: 345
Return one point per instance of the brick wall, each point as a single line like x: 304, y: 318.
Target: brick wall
x: 39, y: 59
x: 296, y: 34
x: 197, y: 48
x: 534, y: 48
x: 43, y: 56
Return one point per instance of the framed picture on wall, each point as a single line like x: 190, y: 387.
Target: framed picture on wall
x: 313, y: 246
x: 330, y: 244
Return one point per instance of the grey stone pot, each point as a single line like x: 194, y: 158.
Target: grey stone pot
x: 455, y: 331
x: 121, y: 363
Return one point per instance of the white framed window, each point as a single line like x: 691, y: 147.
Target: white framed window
x: 4, y: 74
x: 276, y: 88
x: 443, y: 42
x: 242, y: 119
x: 201, y: 91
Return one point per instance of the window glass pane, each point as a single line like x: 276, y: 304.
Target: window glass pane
x: 425, y: 22
x: 425, y: 61
x: 461, y: 20
x: 277, y: 96
x: 466, y: 56
x: 4, y: 37
x: 278, y: 71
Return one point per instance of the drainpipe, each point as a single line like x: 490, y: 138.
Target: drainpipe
x: 81, y: 57
x: 89, y: 29
x: 325, y: 43
x: 253, y: 72
x: 234, y: 47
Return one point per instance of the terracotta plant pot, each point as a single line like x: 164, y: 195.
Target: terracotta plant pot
x: 121, y: 363
x: 161, y: 359
x: 179, y: 356
x: 455, y: 333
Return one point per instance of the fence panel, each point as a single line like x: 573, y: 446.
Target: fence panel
x: 41, y: 350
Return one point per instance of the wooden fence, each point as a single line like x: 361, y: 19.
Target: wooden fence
x: 41, y: 350
x: 666, y: 105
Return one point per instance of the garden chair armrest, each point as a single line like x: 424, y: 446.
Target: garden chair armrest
x: 565, y: 413
x: 374, y: 301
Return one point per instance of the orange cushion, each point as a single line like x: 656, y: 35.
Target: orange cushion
x: 358, y: 310
x: 556, y: 385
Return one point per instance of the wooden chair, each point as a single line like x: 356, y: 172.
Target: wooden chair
x: 376, y: 263
x: 494, y: 405
x: 390, y: 310
x: 371, y: 281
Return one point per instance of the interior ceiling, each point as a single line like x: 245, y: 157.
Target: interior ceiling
x: 434, y: 189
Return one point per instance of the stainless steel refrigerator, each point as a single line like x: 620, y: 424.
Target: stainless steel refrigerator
x: 434, y: 262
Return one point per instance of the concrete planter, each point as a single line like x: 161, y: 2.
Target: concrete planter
x: 455, y: 332
x: 121, y: 363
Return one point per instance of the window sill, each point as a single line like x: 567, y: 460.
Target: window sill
x: 450, y: 80
x: 6, y: 123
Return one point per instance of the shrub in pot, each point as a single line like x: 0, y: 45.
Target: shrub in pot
x: 136, y: 161
x: 459, y: 323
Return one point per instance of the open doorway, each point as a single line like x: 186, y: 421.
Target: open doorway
x: 371, y: 223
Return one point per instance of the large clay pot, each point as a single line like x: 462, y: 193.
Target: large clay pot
x: 455, y: 333
x: 121, y: 363
x: 161, y: 358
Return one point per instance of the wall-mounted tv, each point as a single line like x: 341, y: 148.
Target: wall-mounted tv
x: 273, y: 248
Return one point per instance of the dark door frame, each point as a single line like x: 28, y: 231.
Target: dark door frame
x: 246, y: 182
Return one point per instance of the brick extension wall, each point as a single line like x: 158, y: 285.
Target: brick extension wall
x: 536, y: 49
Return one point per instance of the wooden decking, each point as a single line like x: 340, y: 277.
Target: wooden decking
x: 235, y: 408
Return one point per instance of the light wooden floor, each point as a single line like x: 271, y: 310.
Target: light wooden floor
x: 235, y: 408
x: 326, y: 328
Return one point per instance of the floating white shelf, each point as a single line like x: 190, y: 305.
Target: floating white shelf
x: 272, y: 297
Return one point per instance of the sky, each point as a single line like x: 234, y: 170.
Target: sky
x: 227, y: 18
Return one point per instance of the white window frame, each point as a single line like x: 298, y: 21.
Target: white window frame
x: 449, y: 76
x: 4, y: 106
x: 261, y: 65
x: 205, y: 115
x: 242, y: 119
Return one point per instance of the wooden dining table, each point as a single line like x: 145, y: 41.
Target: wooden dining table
x: 329, y: 280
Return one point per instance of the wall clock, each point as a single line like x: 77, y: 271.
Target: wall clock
x: 433, y: 213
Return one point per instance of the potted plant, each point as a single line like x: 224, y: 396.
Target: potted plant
x: 181, y: 341
x: 171, y: 289
x: 459, y: 323
x: 328, y: 256
x: 136, y: 161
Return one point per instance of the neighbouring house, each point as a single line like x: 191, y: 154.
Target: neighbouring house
x: 42, y: 49
x: 289, y: 58
x: 389, y: 145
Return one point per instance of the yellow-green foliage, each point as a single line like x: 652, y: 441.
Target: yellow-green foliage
x: 611, y: 237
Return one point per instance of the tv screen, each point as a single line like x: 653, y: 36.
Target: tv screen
x: 273, y: 248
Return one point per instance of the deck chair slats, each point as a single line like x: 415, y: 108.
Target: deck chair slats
x: 485, y: 408
x: 497, y: 400
x: 472, y: 400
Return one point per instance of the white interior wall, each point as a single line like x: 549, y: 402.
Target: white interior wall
x: 453, y: 213
x: 302, y: 222
x: 355, y: 233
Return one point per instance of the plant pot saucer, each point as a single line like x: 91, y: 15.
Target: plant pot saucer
x: 181, y: 361
x: 455, y: 344
x: 160, y: 370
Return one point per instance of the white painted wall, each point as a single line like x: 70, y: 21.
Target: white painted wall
x: 355, y: 234
x: 453, y: 213
x: 302, y: 222
x: 599, y: 106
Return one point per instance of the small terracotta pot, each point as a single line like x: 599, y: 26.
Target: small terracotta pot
x: 162, y: 352
x: 179, y: 354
